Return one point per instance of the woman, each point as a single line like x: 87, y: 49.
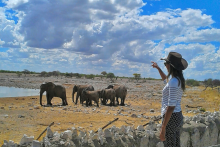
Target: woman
x: 171, y: 100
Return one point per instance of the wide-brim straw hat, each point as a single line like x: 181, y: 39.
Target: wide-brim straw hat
x: 175, y: 59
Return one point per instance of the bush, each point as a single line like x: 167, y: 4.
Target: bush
x: 192, y: 82
x: 91, y: 76
x: 202, y: 109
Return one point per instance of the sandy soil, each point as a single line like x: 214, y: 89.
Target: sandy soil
x: 24, y: 115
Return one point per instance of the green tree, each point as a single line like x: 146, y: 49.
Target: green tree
x: 90, y: 76
x: 19, y: 74
x: 56, y: 73
x: 137, y: 76
x: 104, y: 73
x: 208, y: 83
x: 192, y: 82
x: 77, y: 75
x: 43, y: 74
x: 26, y: 72
x: 111, y: 76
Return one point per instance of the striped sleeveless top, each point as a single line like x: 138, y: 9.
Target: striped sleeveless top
x: 172, y: 94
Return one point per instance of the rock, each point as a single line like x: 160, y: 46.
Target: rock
x: 100, y: 132
x: 6, y: 115
x: 56, y: 136
x: 151, y: 126
x: 74, y: 132
x: 10, y: 107
x: 21, y: 116
x: 185, y: 139
x: 36, y: 107
x: 151, y: 110
x: 134, y: 116
x: 5, y: 144
x: 140, y: 128
x: 36, y: 143
x: 107, y: 133
x: 160, y: 144
x: 95, y: 137
x: 122, y: 130
x: 144, y: 141
x: 11, y: 143
x: 66, y: 134
x: 26, y: 140
x: 49, y: 133
x: 209, y: 118
x: 46, y: 142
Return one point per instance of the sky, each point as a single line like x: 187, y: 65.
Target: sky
x: 118, y: 36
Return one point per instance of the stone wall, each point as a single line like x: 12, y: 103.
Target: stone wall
x: 201, y: 130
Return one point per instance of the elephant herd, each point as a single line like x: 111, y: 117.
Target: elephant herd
x: 85, y: 93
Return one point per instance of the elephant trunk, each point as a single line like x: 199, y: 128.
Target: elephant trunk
x: 41, y: 93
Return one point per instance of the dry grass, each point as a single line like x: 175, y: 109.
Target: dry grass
x: 36, y: 120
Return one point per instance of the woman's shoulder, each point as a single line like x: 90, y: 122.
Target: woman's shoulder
x: 173, y: 82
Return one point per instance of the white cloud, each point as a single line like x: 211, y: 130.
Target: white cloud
x: 1, y: 42
x: 109, y: 35
x: 206, y: 35
x: 3, y: 54
x: 14, y: 3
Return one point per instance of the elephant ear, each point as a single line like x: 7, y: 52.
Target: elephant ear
x: 50, y: 85
x: 100, y: 93
x: 103, y: 92
x: 75, y: 87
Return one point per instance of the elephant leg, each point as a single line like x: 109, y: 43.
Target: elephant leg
x: 97, y: 102
x: 49, y: 98
x: 113, y: 102
x: 81, y: 99
x: 90, y: 102
x: 64, y: 102
x: 87, y: 102
x: 104, y: 101
x: 77, y: 96
x: 122, y: 101
x: 65, y: 99
x: 117, y: 100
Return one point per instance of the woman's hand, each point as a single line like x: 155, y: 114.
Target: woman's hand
x: 162, y: 134
x: 154, y: 65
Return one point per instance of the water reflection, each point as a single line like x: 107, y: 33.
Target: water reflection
x: 17, y: 92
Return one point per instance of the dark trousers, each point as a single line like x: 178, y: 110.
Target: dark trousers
x: 173, y: 130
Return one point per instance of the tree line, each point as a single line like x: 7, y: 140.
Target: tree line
x: 190, y: 82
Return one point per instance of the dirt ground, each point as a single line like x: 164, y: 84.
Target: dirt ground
x: 24, y: 115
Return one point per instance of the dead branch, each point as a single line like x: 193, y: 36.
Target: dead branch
x: 153, y: 120
x: 128, y: 123
x: 45, y: 130
x: 192, y: 106
x: 108, y: 124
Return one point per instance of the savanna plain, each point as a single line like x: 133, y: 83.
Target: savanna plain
x: 24, y: 115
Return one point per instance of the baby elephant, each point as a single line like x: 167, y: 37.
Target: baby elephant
x: 108, y: 94
x: 91, y: 96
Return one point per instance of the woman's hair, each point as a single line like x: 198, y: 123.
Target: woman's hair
x: 177, y: 74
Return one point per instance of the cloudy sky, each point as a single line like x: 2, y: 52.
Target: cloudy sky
x: 119, y: 36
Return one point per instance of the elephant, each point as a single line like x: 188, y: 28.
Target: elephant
x: 53, y: 90
x: 79, y: 89
x: 91, y: 96
x: 108, y: 94
x: 120, y: 91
